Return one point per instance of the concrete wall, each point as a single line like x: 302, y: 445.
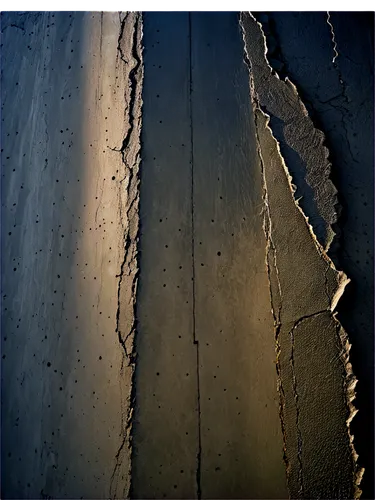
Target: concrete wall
x: 175, y: 319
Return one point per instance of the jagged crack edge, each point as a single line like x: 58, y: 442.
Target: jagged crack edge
x: 335, y: 226
x: 135, y: 78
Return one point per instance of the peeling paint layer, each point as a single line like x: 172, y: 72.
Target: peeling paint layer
x: 316, y: 383
x: 296, y: 132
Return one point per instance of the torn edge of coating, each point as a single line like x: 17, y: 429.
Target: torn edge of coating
x: 343, y: 280
x: 265, y: 47
x: 287, y: 80
x: 293, y: 188
x: 129, y: 219
x: 350, y: 380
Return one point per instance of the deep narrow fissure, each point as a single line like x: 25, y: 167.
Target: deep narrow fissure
x: 131, y: 181
x: 195, y: 341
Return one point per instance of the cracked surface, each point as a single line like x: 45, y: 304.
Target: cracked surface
x: 304, y: 295
x: 67, y: 200
x: 129, y: 50
x: 339, y: 98
x: 335, y: 53
x: 304, y: 355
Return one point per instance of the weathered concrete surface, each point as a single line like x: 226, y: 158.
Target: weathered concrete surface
x: 206, y: 416
x: 236, y: 296
x: 65, y: 102
x: 339, y: 96
x: 166, y: 424
x: 305, y: 288
x: 241, y: 437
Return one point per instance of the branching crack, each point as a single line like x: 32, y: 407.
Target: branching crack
x: 308, y: 316
x: 133, y: 74
x: 130, y: 178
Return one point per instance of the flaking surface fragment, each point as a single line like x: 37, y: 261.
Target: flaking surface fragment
x: 290, y: 123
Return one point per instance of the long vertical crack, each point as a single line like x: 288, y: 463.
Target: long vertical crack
x: 267, y: 228
x: 296, y: 399
x: 195, y: 341
x: 276, y: 309
x: 130, y: 57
